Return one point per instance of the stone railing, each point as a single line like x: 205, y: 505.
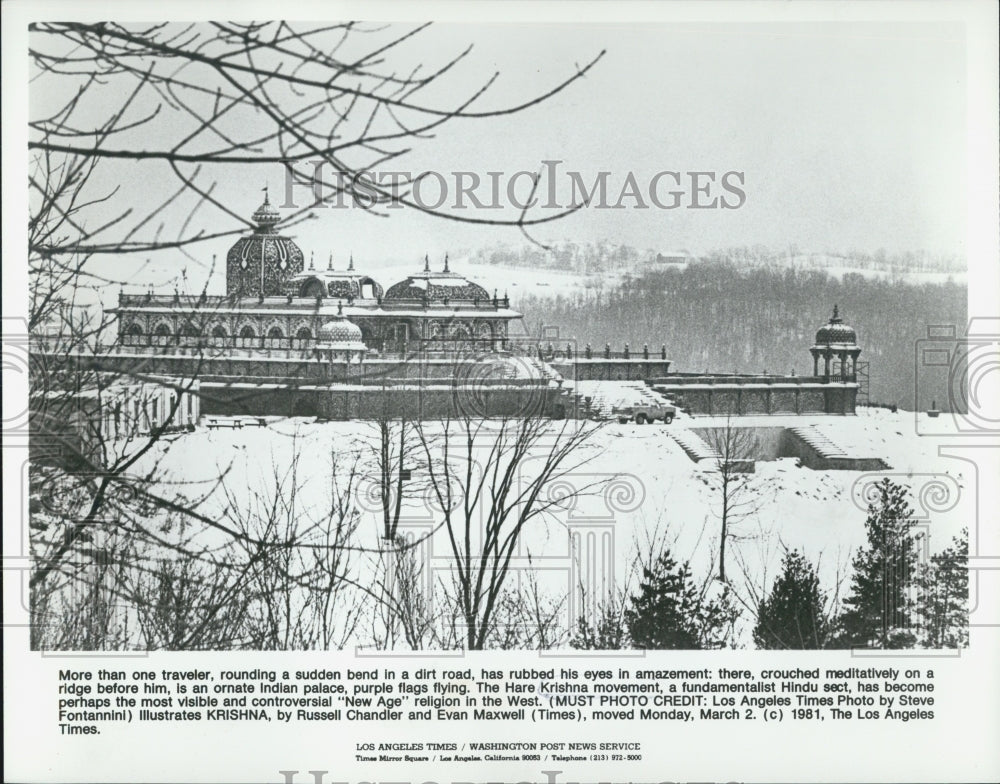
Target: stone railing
x: 195, y: 342
x: 549, y: 351
x: 689, y: 379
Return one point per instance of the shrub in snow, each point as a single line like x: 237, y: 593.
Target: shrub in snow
x: 792, y: 615
x: 672, y: 611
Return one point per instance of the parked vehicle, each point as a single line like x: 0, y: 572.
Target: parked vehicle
x: 642, y: 413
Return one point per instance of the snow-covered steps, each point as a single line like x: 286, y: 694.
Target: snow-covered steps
x: 654, y: 397
x: 818, y: 450
x: 543, y: 370
x: 606, y: 396
x: 819, y: 441
x: 694, y: 445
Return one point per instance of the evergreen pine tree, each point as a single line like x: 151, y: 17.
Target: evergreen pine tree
x: 671, y: 613
x: 607, y: 633
x: 944, y: 606
x: 879, y: 610
x: 792, y: 615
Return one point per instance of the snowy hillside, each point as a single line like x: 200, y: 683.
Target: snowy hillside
x: 652, y: 487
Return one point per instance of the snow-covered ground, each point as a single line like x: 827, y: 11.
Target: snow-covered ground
x: 651, y: 486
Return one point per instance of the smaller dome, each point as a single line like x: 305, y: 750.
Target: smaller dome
x: 341, y: 332
x: 436, y: 287
x: 836, y: 331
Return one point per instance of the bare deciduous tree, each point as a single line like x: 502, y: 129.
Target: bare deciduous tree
x: 492, y: 479
x: 113, y: 105
x: 737, y: 498
x: 343, y: 99
x: 308, y: 593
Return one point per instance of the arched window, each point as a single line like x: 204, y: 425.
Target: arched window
x: 275, y: 333
x: 189, y: 331
x: 247, y: 332
x: 134, y: 330
x: 312, y: 288
x: 218, y: 331
x: 304, y: 333
x: 162, y: 331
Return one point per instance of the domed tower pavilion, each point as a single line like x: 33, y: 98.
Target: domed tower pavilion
x: 837, y: 345
x: 339, y: 341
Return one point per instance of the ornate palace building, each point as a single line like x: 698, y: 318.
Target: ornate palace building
x: 288, y: 338
x: 273, y: 301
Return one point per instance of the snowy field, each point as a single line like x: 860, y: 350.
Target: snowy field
x: 647, y: 487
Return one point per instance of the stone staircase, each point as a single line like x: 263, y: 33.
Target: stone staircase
x: 543, y: 369
x: 819, y: 442
x: 815, y: 449
x: 694, y: 445
x: 606, y: 396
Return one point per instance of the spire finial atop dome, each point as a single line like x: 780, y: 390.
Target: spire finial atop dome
x: 427, y: 263
x: 350, y: 264
x: 836, y: 316
x: 329, y: 264
x: 446, y: 262
x: 340, y: 308
x: 266, y: 215
x: 312, y: 260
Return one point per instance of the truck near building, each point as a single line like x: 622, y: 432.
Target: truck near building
x: 642, y: 413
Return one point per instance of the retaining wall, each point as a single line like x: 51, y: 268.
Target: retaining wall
x: 770, y: 443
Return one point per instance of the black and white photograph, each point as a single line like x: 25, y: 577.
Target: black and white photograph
x: 491, y: 395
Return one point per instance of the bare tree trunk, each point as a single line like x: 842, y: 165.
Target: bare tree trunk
x: 490, y: 478
x: 736, y: 450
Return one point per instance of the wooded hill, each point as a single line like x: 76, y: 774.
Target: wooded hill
x: 720, y: 317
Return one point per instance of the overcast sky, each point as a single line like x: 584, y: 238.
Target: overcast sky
x: 847, y: 136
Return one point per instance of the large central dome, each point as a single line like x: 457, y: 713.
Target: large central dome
x: 259, y: 264
x: 439, y: 287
